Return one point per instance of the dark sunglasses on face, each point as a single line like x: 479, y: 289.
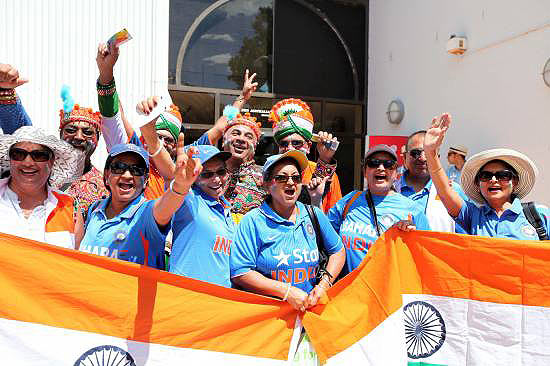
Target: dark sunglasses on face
x: 284, y: 178
x: 18, y: 154
x: 415, y: 153
x: 501, y: 175
x: 208, y: 174
x: 297, y: 144
x: 86, y: 131
x: 119, y: 168
x: 375, y: 163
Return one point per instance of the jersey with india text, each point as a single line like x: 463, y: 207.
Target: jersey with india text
x: 357, y: 228
x: 281, y: 249
x: 133, y: 235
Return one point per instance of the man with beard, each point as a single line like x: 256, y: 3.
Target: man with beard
x: 80, y: 127
x: 415, y: 183
x: 293, y: 130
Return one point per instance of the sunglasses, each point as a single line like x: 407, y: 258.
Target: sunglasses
x: 415, y: 153
x: 375, y: 163
x: 297, y: 144
x: 119, y: 168
x: 501, y: 175
x: 284, y: 178
x: 209, y: 174
x: 38, y: 156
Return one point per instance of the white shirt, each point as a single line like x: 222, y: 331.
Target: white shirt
x: 13, y: 220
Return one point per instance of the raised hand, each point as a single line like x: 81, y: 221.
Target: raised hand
x: 10, y: 78
x: 436, y: 133
x: 146, y: 106
x: 187, y: 168
x: 325, y: 153
x: 106, y: 59
x: 315, y: 188
x: 249, y: 86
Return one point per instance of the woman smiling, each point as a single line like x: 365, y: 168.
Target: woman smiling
x: 275, y: 251
x: 495, y: 179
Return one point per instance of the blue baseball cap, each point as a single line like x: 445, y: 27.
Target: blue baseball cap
x: 207, y: 152
x: 297, y: 155
x: 128, y: 148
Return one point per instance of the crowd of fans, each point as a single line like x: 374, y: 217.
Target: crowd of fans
x: 282, y: 229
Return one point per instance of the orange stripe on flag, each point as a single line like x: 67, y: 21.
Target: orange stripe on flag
x: 63, y: 288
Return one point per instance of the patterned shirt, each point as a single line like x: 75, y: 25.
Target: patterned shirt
x: 88, y: 189
x: 244, y: 190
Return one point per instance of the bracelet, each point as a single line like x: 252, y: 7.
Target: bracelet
x: 156, y: 152
x: 287, y: 291
x: 174, y: 191
x: 327, y: 281
x: 435, y: 171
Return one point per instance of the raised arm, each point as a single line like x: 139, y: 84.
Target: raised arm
x: 12, y: 112
x: 114, y: 126
x: 432, y: 142
x: 249, y: 87
x: 157, y: 152
x: 187, y: 171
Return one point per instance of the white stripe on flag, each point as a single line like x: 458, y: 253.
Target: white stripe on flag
x: 30, y: 344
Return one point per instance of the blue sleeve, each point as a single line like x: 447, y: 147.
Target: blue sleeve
x: 203, y: 140
x: 135, y: 140
x: 155, y: 235
x: 464, y: 218
x: 13, y: 116
x: 331, y: 240
x: 244, y: 252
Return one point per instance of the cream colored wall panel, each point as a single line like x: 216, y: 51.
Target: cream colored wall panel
x: 54, y: 42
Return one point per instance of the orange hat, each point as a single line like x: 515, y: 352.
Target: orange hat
x: 80, y: 114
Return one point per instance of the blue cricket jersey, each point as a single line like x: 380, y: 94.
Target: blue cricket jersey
x: 512, y: 224
x: 281, y: 249
x: 133, y: 235
x: 203, y: 234
x: 357, y: 228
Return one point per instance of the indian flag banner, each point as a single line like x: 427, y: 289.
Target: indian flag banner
x: 427, y: 298
x: 63, y: 307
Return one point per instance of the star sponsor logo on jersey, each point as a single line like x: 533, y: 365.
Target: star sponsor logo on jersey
x: 282, y: 258
x: 298, y: 256
x: 528, y: 230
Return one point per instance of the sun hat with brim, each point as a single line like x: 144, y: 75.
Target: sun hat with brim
x: 381, y: 148
x: 526, y: 169
x: 297, y: 155
x: 127, y: 148
x: 68, y: 164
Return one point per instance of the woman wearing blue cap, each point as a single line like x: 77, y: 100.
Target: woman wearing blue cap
x: 275, y: 251
x: 126, y: 225
x: 203, y: 226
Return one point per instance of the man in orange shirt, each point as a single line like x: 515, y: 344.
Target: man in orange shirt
x: 293, y: 130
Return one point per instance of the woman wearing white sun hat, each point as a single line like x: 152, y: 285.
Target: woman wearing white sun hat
x: 495, y: 179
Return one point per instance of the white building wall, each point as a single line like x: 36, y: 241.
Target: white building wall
x: 55, y: 42
x: 495, y: 91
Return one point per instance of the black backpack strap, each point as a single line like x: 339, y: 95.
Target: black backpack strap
x: 323, y: 254
x: 373, y: 212
x: 532, y: 215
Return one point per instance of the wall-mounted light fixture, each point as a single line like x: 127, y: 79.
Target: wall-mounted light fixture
x: 396, y: 111
x: 546, y: 73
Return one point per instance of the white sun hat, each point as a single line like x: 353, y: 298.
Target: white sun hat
x: 68, y: 164
x: 526, y: 169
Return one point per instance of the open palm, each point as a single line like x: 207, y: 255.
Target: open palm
x: 436, y: 133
